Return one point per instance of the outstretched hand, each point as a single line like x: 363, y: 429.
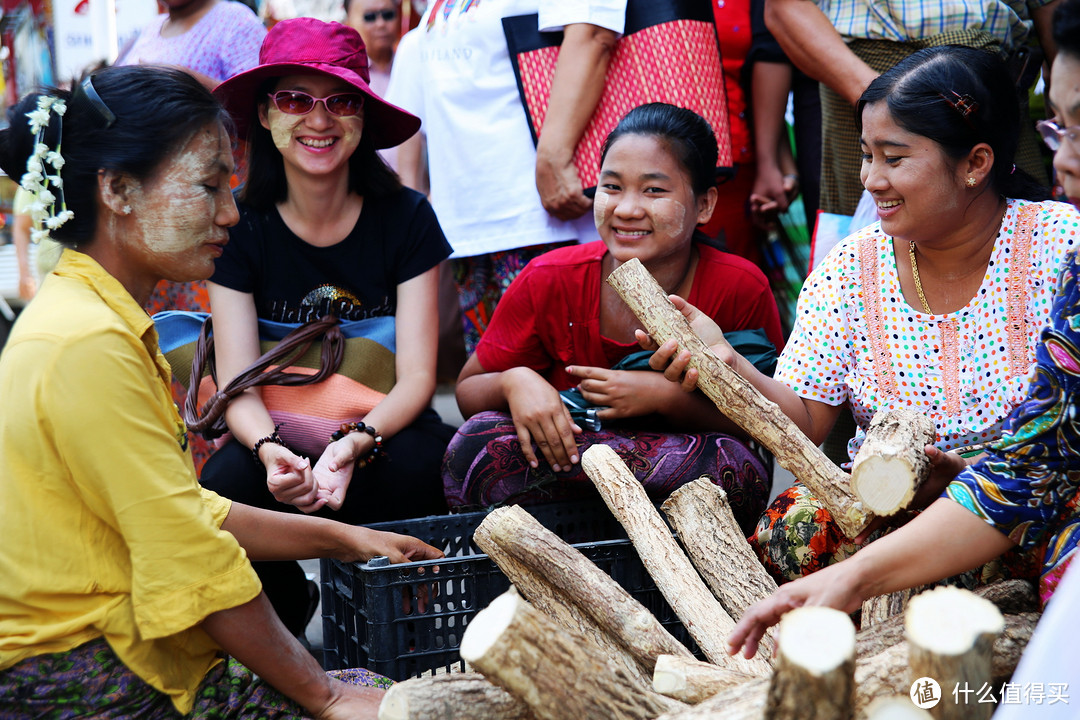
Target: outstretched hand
x: 398, y: 548
x: 835, y: 586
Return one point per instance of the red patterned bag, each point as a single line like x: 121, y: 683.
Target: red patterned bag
x: 668, y: 53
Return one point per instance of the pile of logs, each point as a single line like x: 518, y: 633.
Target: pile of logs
x: 568, y: 643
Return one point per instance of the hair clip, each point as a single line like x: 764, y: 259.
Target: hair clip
x: 963, y: 104
x: 87, y: 87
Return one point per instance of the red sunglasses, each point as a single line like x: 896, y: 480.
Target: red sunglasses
x: 294, y: 102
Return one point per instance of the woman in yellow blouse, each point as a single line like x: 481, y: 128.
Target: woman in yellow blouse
x: 127, y: 590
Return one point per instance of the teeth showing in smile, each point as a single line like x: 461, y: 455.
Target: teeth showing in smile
x: 886, y: 204
x: 310, y: 142
x: 634, y: 233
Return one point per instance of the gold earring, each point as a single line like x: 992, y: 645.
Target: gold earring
x: 972, y: 182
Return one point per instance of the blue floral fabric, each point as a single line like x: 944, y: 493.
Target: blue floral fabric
x: 1027, y: 485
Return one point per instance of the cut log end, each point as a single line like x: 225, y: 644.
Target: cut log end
x: 884, y: 484
x: 892, y: 465
x: 817, y: 639
x: 488, y: 625
x: 949, y: 620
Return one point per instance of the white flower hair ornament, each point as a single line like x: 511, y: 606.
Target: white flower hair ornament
x: 42, y: 178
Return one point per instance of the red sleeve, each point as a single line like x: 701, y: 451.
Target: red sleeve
x: 513, y: 337
x: 736, y: 294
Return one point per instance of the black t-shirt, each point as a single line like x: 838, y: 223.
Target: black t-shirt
x: 396, y: 238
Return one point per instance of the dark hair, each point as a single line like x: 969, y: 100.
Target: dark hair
x: 958, y: 97
x: 267, y: 186
x: 157, y: 110
x: 1067, y: 27
x: 690, y: 136
x: 348, y: 4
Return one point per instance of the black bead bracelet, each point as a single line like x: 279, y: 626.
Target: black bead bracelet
x: 271, y: 438
x: 376, y: 452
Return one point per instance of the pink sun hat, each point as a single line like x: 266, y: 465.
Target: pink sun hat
x: 306, y: 45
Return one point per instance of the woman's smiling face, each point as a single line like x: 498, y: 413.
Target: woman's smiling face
x: 318, y: 142
x: 645, y: 205
x: 916, y: 187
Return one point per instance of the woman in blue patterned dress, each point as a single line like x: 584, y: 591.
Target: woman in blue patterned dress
x: 1023, y: 493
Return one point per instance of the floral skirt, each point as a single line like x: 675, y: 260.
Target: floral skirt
x: 91, y: 681
x: 484, y: 466
x: 797, y: 536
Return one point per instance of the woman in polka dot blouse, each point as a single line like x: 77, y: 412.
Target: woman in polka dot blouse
x: 937, y: 308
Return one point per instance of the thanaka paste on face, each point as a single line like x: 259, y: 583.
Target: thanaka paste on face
x: 164, y: 216
x: 600, y: 205
x: 669, y: 217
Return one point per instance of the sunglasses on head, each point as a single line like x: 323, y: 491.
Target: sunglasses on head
x: 294, y: 102
x: 386, y: 15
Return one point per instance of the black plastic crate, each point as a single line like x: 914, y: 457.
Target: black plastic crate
x: 372, y: 614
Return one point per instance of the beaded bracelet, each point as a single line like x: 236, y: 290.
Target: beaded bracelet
x: 271, y: 438
x: 376, y: 452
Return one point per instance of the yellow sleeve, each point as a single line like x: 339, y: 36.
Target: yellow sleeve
x: 115, y: 427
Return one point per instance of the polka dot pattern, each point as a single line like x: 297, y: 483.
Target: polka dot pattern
x: 955, y: 368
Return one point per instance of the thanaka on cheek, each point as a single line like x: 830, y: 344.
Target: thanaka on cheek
x: 600, y: 204
x: 281, y: 128
x: 669, y: 216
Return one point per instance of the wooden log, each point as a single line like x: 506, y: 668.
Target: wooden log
x: 557, y: 674
x: 739, y: 400
x: 880, y: 608
x: 451, y: 696
x: 1010, y: 596
x: 950, y: 634
x: 883, y: 674
x: 815, y: 666
x: 692, y: 681
x: 702, y: 518
x: 895, y: 707
x: 580, y: 583
x: 548, y: 599
x: 675, y: 577
x: 892, y: 465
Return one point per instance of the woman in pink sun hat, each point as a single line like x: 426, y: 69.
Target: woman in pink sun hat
x: 326, y: 228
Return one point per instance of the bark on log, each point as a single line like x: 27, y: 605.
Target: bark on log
x: 815, y: 666
x: 1010, y: 596
x: 551, y: 601
x: 582, y: 584
x: 451, y: 696
x: 950, y: 634
x: 692, y: 681
x: 675, y: 577
x: 739, y: 400
x: 891, y: 465
x: 883, y: 674
x: 880, y: 608
x: 702, y: 518
x: 558, y: 675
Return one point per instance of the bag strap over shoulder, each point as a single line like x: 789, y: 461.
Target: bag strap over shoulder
x: 269, y: 369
